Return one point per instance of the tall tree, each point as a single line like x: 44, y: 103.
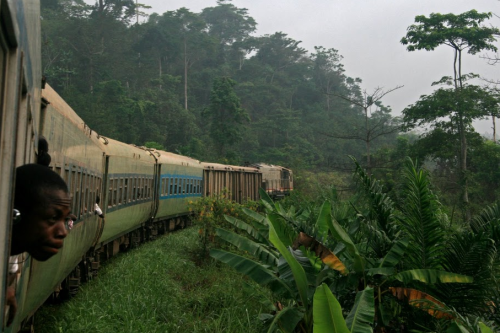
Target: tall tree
x: 460, y: 32
x: 377, y: 123
x: 225, y: 115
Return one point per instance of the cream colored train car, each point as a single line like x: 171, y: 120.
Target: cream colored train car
x: 180, y: 182
x: 20, y: 85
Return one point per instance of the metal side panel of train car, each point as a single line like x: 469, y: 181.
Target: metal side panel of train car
x: 216, y: 178
x: 20, y: 84
x: 181, y: 181
x: 128, y: 200
x: 77, y: 157
x: 245, y: 183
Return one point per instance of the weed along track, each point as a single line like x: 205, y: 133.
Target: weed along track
x: 159, y: 287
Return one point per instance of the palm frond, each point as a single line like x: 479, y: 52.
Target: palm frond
x: 420, y: 220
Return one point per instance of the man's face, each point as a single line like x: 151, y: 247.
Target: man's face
x: 44, y: 227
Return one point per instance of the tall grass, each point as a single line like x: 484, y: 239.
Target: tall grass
x: 160, y: 287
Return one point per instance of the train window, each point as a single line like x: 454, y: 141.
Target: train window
x: 181, y: 186
x: 110, y: 194
x: 115, y: 191
x: 199, y: 186
x: 90, y: 198
x: 143, y: 183
x: 85, y: 194
x: 120, y: 186
x: 129, y: 189
x: 133, y: 188
x: 124, y: 190
x: 191, y: 186
x: 170, y: 186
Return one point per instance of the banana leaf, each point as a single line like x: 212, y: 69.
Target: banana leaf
x: 395, y: 254
x: 248, y: 229
x: 283, y: 231
x: 297, y: 270
x: 362, y: 313
x: 327, y: 313
x: 432, y: 276
x: 386, y: 271
x: 421, y: 300
x: 321, y: 251
x: 266, y: 200
x: 286, y: 320
x: 253, y: 270
x: 340, y: 234
x: 254, y: 215
x: 245, y: 244
x: 484, y: 328
x: 456, y: 328
x: 322, y: 221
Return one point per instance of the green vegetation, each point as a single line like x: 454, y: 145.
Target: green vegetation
x: 371, y: 263
x: 160, y: 287
x: 203, y: 85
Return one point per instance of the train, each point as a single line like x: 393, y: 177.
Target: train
x: 143, y: 192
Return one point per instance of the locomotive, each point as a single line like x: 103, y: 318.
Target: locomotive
x: 143, y: 192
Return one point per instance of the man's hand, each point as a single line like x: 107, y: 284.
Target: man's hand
x: 10, y: 300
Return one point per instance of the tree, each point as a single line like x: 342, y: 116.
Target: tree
x: 460, y: 32
x: 376, y: 124
x: 226, y: 114
x: 328, y: 71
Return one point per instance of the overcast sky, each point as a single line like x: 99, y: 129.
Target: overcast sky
x: 367, y: 34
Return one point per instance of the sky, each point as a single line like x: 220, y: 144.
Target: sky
x: 367, y: 34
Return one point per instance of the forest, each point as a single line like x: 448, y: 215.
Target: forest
x: 388, y: 208
x: 204, y: 85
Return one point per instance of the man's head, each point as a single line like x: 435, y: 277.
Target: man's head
x: 42, y: 198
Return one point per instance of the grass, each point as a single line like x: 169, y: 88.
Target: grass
x: 159, y: 287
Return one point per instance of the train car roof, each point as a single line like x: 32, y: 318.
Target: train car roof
x: 244, y: 169
x: 269, y: 167
x: 216, y: 166
x: 58, y: 103
x: 165, y: 157
x: 116, y: 148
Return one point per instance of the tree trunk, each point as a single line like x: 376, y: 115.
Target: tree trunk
x: 494, y: 129
x: 185, y: 76
x: 368, y: 157
x: 463, y: 170
x: 159, y: 63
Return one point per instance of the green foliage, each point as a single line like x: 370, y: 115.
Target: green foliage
x: 160, y: 287
x: 209, y: 213
x: 422, y: 271
x: 173, y: 71
x: 327, y: 312
x: 461, y: 31
x: 225, y: 115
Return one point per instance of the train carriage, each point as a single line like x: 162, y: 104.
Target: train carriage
x: 128, y: 200
x: 277, y: 181
x: 216, y: 178
x: 245, y: 183
x: 180, y: 181
x: 76, y: 156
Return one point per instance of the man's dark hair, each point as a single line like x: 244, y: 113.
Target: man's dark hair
x: 43, y: 152
x: 31, y: 181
